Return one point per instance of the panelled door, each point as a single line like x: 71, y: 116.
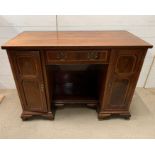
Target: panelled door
x: 29, y: 77
x: 123, y: 73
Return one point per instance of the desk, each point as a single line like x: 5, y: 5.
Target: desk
x: 97, y: 69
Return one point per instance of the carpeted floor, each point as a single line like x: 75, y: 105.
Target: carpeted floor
x: 79, y: 122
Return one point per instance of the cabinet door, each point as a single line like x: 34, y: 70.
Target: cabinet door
x: 122, y: 76
x: 29, y: 79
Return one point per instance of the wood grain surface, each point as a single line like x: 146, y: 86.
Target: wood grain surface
x: 76, y: 38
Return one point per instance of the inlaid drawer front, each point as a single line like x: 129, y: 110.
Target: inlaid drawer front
x: 63, y: 56
x: 55, y: 55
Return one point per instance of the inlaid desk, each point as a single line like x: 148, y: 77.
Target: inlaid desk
x: 97, y: 69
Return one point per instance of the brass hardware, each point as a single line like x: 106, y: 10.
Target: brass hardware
x: 92, y: 55
x: 60, y: 55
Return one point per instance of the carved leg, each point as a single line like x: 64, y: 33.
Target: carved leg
x: 25, y: 117
x: 126, y: 116
x: 103, y: 116
x: 49, y: 116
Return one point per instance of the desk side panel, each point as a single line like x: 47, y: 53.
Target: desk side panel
x: 27, y: 71
x: 122, y: 76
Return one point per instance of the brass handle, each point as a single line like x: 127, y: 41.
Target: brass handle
x: 60, y: 55
x: 92, y: 55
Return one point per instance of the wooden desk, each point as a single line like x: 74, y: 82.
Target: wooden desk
x: 96, y: 69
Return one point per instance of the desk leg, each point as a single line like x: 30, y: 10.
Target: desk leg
x: 107, y: 115
x: 26, y: 115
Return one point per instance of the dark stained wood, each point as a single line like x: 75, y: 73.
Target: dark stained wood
x: 27, y: 70
x: 94, y: 69
x: 77, y: 56
x: 122, y: 76
x: 79, y: 39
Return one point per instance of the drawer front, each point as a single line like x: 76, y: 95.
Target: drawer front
x: 62, y: 56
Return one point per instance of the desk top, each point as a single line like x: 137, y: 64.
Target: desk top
x: 76, y: 39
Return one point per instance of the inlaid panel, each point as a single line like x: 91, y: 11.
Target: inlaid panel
x: 29, y: 80
x: 32, y: 95
x: 26, y: 65
x: 79, y: 56
x: 121, y: 79
x: 119, y: 89
x: 125, y: 64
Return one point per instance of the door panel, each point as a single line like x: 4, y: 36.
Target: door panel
x: 30, y: 80
x: 125, y: 64
x: 26, y: 65
x: 119, y: 90
x: 33, y: 95
x: 122, y: 76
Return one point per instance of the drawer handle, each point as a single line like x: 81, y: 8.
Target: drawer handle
x: 92, y: 55
x: 60, y: 55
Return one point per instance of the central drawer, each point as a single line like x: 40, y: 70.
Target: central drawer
x: 80, y: 56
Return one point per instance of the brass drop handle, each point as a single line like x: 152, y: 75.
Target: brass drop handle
x: 92, y: 55
x: 60, y: 55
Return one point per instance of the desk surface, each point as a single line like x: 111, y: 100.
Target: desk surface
x: 76, y: 38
